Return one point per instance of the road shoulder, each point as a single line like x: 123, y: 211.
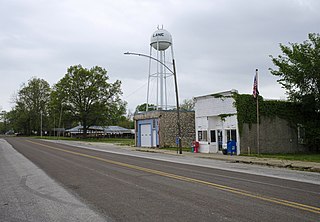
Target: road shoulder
x: 28, y: 194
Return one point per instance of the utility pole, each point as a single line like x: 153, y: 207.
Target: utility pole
x: 178, y: 106
x: 41, y: 123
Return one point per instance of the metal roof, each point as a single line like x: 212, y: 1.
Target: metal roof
x: 107, y: 129
x: 116, y: 129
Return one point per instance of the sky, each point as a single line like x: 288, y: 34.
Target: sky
x: 217, y: 44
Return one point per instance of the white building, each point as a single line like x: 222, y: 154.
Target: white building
x: 216, y: 122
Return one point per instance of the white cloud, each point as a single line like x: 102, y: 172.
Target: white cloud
x: 217, y: 44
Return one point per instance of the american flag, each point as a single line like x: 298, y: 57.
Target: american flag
x: 255, y: 85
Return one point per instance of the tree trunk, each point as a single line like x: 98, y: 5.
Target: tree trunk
x: 84, y: 129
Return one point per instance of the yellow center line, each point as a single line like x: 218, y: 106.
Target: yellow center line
x: 193, y: 180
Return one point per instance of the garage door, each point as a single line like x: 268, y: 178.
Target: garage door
x: 145, y: 135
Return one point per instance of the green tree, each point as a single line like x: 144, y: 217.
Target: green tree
x: 31, y: 103
x: 3, y: 121
x: 187, y: 105
x: 299, y: 70
x: 89, y: 97
x: 60, y: 116
x: 126, y: 121
x: 143, y: 107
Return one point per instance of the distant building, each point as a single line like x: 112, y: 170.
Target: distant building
x: 100, y: 131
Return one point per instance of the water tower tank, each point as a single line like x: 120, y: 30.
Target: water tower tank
x: 161, y: 40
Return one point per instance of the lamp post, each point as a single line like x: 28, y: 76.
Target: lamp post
x: 41, y: 123
x: 176, y: 90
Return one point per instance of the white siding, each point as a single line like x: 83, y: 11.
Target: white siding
x: 201, y: 123
x: 211, y: 106
x: 207, y: 111
x: 230, y: 122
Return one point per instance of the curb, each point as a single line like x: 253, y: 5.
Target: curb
x: 293, y: 165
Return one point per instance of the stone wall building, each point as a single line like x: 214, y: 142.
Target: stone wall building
x: 159, y: 128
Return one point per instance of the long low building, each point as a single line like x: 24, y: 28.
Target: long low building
x: 100, y: 131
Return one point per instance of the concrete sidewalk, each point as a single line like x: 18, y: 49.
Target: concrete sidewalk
x: 291, y: 164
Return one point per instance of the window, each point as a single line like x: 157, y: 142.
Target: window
x: 154, y: 123
x: 202, y: 135
x: 231, y: 135
x: 199, y: 135
x: 213, y: 136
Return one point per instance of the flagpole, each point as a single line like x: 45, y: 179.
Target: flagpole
x: 258, y: 127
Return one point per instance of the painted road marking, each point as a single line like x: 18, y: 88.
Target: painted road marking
x: 192, y: 180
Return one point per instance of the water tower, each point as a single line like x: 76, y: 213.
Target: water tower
x: 161, y: 42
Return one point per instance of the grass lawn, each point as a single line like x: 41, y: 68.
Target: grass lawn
x: 118, y: 141
x: 308, y: 157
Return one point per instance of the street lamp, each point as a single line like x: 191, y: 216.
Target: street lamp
x: 176, y: 90
x: 41, y: 123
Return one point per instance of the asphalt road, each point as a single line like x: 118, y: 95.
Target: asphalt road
x: 126, y: 188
